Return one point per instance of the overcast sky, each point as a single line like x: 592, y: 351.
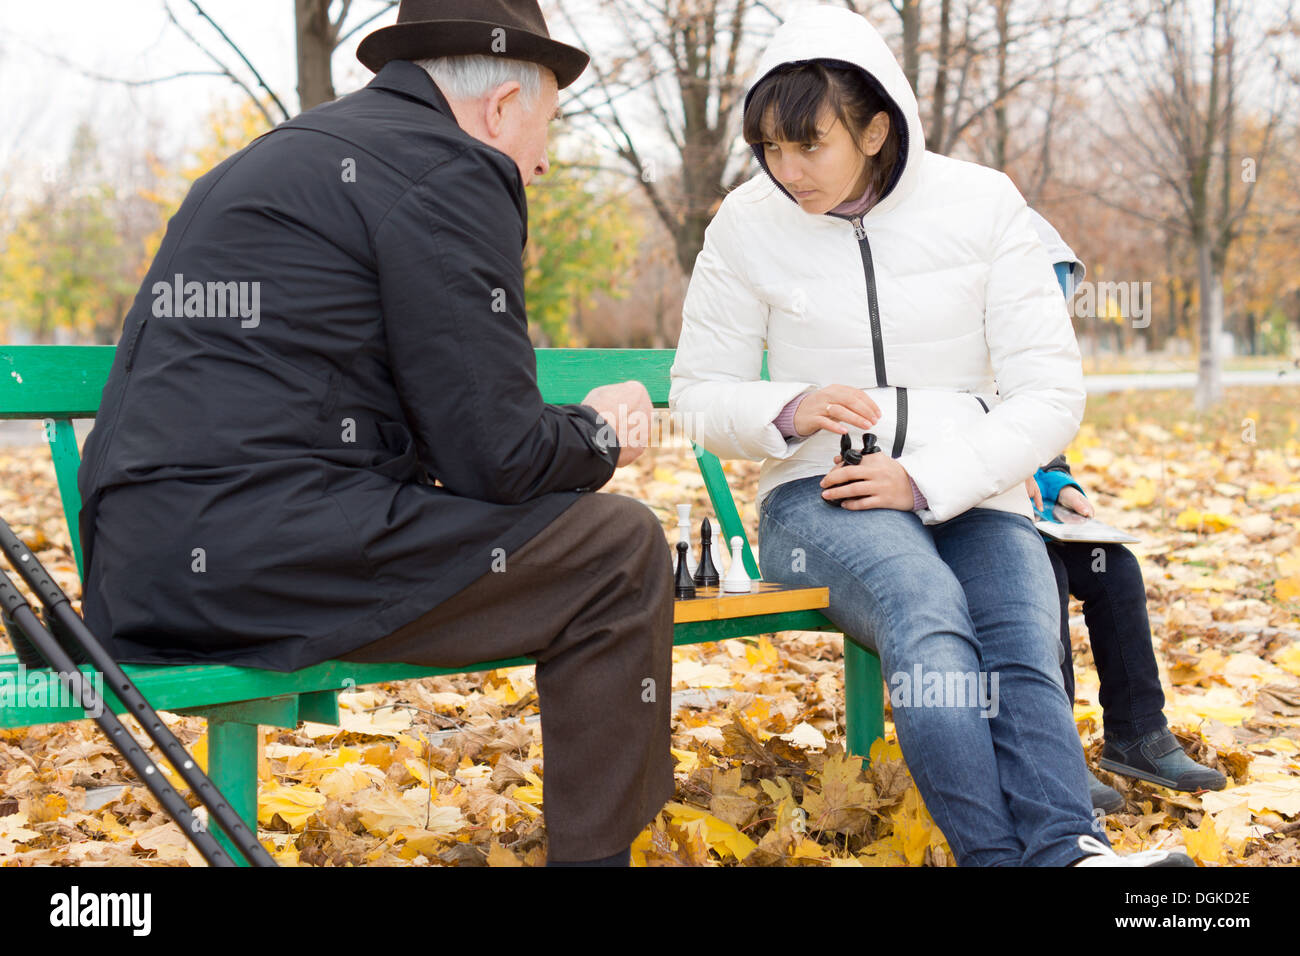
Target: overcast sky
x: 45, y: 46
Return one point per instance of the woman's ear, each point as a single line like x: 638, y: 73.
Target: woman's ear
x: 873, y: 138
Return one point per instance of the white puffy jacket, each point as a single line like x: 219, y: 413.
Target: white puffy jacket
x: 940, y: 303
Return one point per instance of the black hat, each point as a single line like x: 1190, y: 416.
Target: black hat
x: 510, y: 28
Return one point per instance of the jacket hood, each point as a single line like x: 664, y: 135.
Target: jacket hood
x: 836, y: 33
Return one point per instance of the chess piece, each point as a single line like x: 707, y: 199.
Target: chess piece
x: 706, y: 575
x: 684, y: 534
x: 736, y: 581
x: 685, y: 587
x: 848, y: 454
x: 851, y: 456
x: 716, y: 550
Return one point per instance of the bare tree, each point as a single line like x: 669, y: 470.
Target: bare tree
x: 1183, y: 130
x: 686, y: 61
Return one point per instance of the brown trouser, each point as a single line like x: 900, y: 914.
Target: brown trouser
x: 591, y: 598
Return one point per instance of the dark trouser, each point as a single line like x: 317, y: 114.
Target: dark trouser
x: 591, y: 598
x: 1115, y: 609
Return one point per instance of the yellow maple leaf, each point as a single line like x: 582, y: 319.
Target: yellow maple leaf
x: 1203, y: 843
x: 1203, y: 521
x: 1140, y: 494
x: 762, y: 655
x: 720, y: 837
x: 530, y: 793
x: 1289, y: 659
x: 912, y: 828
x: 1287, y: 589
x: 295, y: 805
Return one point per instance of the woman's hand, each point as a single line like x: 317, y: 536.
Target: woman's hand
x: 833, y: 408
x: 1035, y: 495
x: 879, y: 482
x: 1075, y: 500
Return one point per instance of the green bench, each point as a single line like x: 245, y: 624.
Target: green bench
x: 56, y: 384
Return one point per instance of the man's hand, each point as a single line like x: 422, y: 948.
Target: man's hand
x: 1075, y: 500
x: 626, y: 409
x: 879, y: 482
x: 833, y: 406
x: 1035, y: 495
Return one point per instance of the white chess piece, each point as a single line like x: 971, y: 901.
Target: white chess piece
x: 715, y: 549
x: 684, y: 534
x: 736, y: 581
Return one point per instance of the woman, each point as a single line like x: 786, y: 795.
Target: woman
x: 892, y: 288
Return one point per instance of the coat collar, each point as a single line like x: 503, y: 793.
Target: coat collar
x: 407, y: 79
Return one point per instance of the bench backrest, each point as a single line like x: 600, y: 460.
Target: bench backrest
x: 57, y: 383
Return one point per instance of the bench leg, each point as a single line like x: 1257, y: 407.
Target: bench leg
x: 864, y: 701
x: 232, y: 765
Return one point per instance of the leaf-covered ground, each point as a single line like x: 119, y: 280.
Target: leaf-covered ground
x: 448, y: 771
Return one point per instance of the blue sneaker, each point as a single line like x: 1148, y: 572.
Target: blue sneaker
x: 1158, y: 758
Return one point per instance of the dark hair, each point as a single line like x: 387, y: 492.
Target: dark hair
x: 796, y: 93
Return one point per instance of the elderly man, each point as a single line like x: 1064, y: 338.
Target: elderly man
x: 322, y: 437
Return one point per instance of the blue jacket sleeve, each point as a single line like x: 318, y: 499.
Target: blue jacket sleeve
x: 1050, y: 484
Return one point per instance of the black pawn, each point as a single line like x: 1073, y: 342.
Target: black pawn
x: 706, y: 575
x: 848, y: 455
x: 869, y: 446
x: 685, y: 586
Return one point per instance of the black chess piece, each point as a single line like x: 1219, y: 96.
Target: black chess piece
x: 685, y: 586
x: 706, y: 575
x: 848, y: 455
x: 869, y: 446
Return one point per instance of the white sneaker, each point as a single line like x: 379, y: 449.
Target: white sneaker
x: 1099, y: 854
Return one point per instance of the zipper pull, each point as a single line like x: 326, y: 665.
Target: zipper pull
x: 858, y: 232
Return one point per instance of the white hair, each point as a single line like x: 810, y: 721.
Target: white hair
x: 470, y: 77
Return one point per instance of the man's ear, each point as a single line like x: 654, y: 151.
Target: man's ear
x: 876, y: 133
x: 497, y: 103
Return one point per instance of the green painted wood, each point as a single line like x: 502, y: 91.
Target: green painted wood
x: 864, y: 702
x: 232, y: 767
x: 63, y: 450
x: 320, y: 706
x: 65, y: 382
x: 565, y: 376
x: 53, y: 381
x: 272, y: 711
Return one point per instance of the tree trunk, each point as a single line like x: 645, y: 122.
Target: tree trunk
x: 1209, y: 372
x: 1002, y: 128
x: 934, y: 132
x: 910, y: 12
x: 315, y: 47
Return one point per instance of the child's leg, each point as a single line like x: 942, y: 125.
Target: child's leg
x: 1106, y: 577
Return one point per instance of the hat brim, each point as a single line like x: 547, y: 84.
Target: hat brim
x: 422, y: 40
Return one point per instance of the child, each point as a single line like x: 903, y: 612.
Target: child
x: 1107, y: 578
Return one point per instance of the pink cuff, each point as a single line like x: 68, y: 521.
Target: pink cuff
x: 784, y: 422
x: 918, y: 500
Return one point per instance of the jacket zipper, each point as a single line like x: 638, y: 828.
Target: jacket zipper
x: 877, y: 340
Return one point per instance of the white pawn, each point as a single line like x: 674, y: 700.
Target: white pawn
x: 715, y: 548
x: 684, y: 534
x: 736, y: 581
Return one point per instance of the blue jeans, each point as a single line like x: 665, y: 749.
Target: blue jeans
x: 965, y: 618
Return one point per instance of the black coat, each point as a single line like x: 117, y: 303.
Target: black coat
x: 287, y: 469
